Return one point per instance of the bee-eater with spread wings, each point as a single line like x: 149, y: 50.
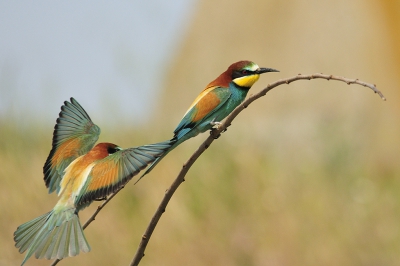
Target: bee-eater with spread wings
x: 80, y: 174
x: 215, y: 102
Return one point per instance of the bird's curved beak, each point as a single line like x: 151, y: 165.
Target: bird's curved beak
x: 265, y: 70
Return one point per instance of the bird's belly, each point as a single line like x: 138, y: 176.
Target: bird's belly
x: 73, y: 182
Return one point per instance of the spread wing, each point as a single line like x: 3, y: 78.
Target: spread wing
x: 74, y: 135
x: 117, y: 169
x: 203, y: 107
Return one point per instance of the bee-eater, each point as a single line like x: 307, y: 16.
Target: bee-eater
x: 80, y: 174
x: 220, y: 97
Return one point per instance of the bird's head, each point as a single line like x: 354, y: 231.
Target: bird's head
x: 104, y: 149
x: 245, y: 73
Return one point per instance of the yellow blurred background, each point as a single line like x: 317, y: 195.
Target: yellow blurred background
x: 308, y: 175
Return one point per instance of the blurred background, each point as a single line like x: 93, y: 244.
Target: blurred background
x: 308, y: 175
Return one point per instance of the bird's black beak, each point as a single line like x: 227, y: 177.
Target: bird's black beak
x: 265, y: 70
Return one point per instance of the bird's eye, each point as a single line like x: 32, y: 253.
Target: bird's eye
x: 112, y: 150
x: 244, y: 71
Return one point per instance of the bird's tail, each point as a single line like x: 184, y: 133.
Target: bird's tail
x: 55, y: 235
x: 172, y: 144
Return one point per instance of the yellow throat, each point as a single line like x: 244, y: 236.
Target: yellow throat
x: 246, y: 81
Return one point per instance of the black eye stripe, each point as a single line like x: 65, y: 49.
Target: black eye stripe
x: 241, y: 73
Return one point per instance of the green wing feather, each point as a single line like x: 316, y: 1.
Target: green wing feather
x: 117, y: 169
x: 74, y: 135
x: 187, y: 123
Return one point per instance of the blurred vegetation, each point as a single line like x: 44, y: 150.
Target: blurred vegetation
x: 308, y: 175
x: 253, y: 198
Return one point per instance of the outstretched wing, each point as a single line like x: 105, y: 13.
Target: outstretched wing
x: 202, y: 108
x: 74, y: 135
x: 117, y: 169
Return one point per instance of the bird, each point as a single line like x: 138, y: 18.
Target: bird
x: 219, y: 98
x: 80, y: 172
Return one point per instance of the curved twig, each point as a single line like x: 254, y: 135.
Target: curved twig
x: 215, y: 134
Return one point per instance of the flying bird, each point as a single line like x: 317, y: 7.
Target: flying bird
x: 220, y: 97
x: 79, y: 173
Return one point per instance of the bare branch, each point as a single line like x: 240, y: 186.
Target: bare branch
x: 327, y: 77
x: 168, y: 194
x: 215, y: 134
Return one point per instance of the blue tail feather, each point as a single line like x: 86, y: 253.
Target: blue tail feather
x: 55, y: 235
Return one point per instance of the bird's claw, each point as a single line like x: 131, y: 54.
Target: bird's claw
x: 215, y: 123
x: 212, y: 133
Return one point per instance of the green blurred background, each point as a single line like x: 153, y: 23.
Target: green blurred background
x: 308, y: 175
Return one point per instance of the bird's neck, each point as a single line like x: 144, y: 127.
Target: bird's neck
x: 243, y: 89
x: 238, y: 93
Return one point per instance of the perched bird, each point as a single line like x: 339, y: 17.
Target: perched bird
x: 215, y: 102
x: 80, y: 174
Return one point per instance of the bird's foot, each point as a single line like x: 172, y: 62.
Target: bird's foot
x: 215, y: 123
x: 212, y: 133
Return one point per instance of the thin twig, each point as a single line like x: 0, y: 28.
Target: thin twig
x: 168, y: 194
x: 214, y: 134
